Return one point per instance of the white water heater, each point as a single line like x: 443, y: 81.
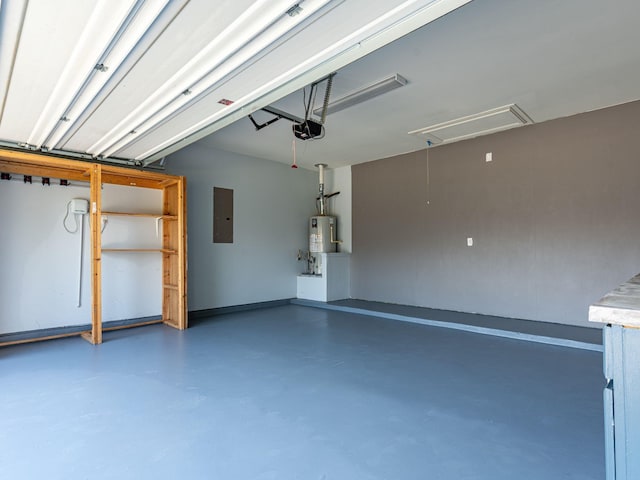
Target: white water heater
x: 323, y: 231
x: 323, y: 234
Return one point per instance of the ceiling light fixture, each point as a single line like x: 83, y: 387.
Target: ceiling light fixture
x: 364, y: 94
x: 489, y: 121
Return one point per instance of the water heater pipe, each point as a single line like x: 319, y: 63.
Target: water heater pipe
x: 321, y: 167
x: 333, y: 235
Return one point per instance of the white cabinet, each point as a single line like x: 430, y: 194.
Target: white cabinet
x: 619, y: 310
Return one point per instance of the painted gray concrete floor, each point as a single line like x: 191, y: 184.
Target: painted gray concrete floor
x: 300, y: 393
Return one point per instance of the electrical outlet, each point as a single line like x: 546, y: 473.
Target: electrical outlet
x: 469, y: 242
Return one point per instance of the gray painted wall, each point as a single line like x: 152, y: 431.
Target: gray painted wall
x: 555, y: 219
x: 272, y: 204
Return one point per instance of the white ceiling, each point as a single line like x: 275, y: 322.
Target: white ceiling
x: 551, y: 58
x: 169, y: 62
x: 134, y: 80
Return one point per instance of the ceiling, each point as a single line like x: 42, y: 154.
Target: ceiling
x: 131, y: 81
x: 551, y: 59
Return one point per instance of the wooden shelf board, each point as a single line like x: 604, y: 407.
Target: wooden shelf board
x: 51, y: 172
x: 132, y: 325
x: 40, y: 339
x: 140, y: 250
x: 132, y: 214
x: 137, y: 178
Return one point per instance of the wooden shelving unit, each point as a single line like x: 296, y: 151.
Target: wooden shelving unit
x: 173, y: 217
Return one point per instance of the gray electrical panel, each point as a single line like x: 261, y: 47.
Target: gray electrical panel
x: 222, y: 215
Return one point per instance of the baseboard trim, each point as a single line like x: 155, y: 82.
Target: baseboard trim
x: 528, y: 337
x: 43, y: 334
x: 16, y: 338
x: 212, y: 312
x: 68, y: 331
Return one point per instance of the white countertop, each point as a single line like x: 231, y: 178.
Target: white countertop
x: 621, y: 306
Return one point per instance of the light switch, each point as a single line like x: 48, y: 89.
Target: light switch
x: 489, y: 156
x: 469, y: 242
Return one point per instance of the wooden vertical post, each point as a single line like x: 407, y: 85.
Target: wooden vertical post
x: 182, y: 248
x: 95, y: 336
x: 174, y: 307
